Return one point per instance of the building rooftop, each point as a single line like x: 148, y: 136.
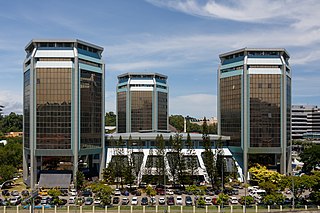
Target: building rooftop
x: 246, y: 49
x: 141, y: 74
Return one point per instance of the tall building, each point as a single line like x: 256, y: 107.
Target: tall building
x: 254, y: 106
x: 305, y: 121
x: 63, y: 110
x: 142, y: 102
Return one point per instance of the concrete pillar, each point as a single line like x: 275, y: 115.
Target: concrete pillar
x: 68, y: 209
x: 243, y: 209
x: 106, y: 209
x: 80, y: 209
x: 30, y: 211
x: 42, y: 209
x: 194, y: 209
x: 280, y: 208
x: 318, y: 207
x: 218, y: 208
x: 181, y: 209
x: 268, y: 208
x: 131, y: 209
x: 206, y: 209
x: 118, y: 209
x: 17, y: 209
x: 256, y: 208
x: 93, y: 209
x: 306, y: 207
x: 231, y: 209
x: 55, y: 209
x: 4, y: 209
x: 144, y: 209
x: 168, y: 209
x: 156, y: 209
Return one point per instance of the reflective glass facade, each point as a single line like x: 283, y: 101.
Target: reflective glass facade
x: 26, y: 108
x: 90, y: 109
x: 230, y: 105
x: 53, y: 102
x: 265, y: 110
x: 162, y: 110
x: 122, y: 111
x: 141, y: 110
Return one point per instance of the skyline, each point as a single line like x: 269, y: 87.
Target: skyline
x: 180, y: 39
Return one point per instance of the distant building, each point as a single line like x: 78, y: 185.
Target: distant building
x: 142, y: 102
x: 254, y: 106
x: 210, y: 121
x: 305, y: 122
x: 63, y: 110
x: 14, y: 134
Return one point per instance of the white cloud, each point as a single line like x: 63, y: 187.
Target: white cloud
x: 301, y: 14
x: 137, y: 66
x: 11, y: 101
x: 194, y: 105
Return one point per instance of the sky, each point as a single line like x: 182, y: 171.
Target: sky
x: 179, y: 38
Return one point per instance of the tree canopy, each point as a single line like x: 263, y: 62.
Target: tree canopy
x: 311, y: 158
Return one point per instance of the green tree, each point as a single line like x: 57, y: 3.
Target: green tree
x: 246, y: 200
x: 261, y: 174
x: 7, y: 172
x: 268, y: 186
x: 160, y: 152
x: 150, y: 191
x: 103, y: 192
x: 311, y: 158
x: 11, y: 154
x: 110, y: 119
x: 109, y: 173
x: 177, y: 121
x: 208, y: 155
x: 275, y: 198
x: 80, y: 180
x: 192, y: 162
x: 11, y: 123
x: 222, y: 199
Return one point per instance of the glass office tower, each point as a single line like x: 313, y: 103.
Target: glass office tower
x: 254, y: 106
x: 142, y: 102
x: 63, y: 108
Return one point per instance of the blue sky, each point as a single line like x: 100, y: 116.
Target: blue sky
x: 179, y: 38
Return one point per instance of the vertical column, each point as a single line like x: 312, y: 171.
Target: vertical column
x: 55, y: 209
x: 106, y: 209
x: 68, y: 209
x: 156, y: 209
x: 256, y: 208
x: 17, y: 209
x: 144, y: 209
x: 181, y: 209
x: 80, y: 209
x: 42, y: 209
x: 245, y: 117
x: 93, y: 209
x: 231, y: 209
x: 194, y: 209
x: 131, y: 209
x: 168, y: 209
x: 118, y: 209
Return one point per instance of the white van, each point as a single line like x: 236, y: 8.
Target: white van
x: 258, y: 194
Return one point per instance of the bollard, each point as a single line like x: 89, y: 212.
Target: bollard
x: 318, y: 207
x: 280, y: 208
x: 144, y: 209
x: 181, y: 209
x: 42, y: 209
x: 93, y: 209
x: 243, y: 209
x: 30, y: 211
x: 218, y: 208
x: 256, y: 208
x: 80, y: 209
x: 131, y: 209
x: 4, y: 209
x: 306, y: 207
x: 194, y: 209
x: 118, y: 209
x: 106, y: 209
x: 17, y: 209
x: 68, y: 209
x: 231, y: 209
x: 156, y: 209
x: 55, y: 209
x: 168, y: 209
x: 206, y: 209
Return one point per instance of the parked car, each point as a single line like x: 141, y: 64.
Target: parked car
x: 43, y: 192
x: 5, y: 192
x: 169, y: 192
x: 144, y: 201
x: 117, y: 192
x: 73, y: 192
x: 64, y: 192
x: 162, y: 200
x: 72, y: 200
x: 179, y: 200
x: 44, y: 200
x: 170, y: 200
x: 125, y: 201
x: 14, y: 193
x: 188, y: 201
x: 178, y: 192
x: 87, y: 193
x: 143, y: 185
x: 97, y: 201
x: 235, y: 191
x: 25, y: 193
x: 208, y: 200
x: 88, y: 201
x: 134, y: 201
x: 115, y: 200
x: 15, y: 200
x: 153, y: 201
x: 233, y: 200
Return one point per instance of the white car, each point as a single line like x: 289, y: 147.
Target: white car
x: 169, y: 192
x: 233, y: 200
x: 72, y: 200
x: 179, y: 200
x: 208, y: 200
x: 73, y: 192
x: 97, y: 201
x: 117, y: 192
x: 162, y: 200
x: 134, y: 201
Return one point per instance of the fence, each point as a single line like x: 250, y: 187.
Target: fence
x: 157, y: 209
